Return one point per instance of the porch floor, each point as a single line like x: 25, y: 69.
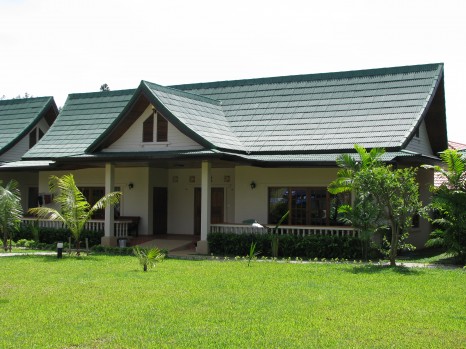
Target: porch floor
x: 178, y: 245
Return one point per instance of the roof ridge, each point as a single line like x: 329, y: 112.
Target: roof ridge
x: 313, y: 77
x: 101, y: 93
x: 22, y: 100
x: 182, y: 93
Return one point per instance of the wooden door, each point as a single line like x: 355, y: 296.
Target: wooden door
x: 160, y: 210
x: 217, y: 207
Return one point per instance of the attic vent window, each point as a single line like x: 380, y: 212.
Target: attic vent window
x: 162, y: 128
x: 417, y: 132
x: 34, y: 136
x: 148, y: 129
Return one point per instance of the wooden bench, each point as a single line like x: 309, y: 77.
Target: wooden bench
x: 133, y: 226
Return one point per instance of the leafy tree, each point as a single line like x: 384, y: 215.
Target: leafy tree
x: 449, y: 206
x: 396, y: 194
x: 384, y: 197
x: 11, y: 211
x: 363, y: 214
x: 104, y: 87
x: 74, y: 210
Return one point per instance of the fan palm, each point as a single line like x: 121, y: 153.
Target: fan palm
x: 73, y: 209
x: 11, y: 211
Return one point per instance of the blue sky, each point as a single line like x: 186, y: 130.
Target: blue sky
x: 59, y: 47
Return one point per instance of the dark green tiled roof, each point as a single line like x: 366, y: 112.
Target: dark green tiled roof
x: 202, y: 116
x: 18, y: 117
x: 305, y: 114
x: 322, y: 112
x: 84, y: 117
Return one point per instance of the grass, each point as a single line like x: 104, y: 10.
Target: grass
x: 109, y: 302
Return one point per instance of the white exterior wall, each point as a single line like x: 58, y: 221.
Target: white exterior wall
x: 253, y: 203
x: 134, y: 201
x: 20, y: 148
x: 181, y: 196
x: 132, y: 139
x: 421, y: 144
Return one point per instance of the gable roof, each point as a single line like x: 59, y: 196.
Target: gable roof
x: 84, y: 117
x: 327, y: 112
x: 303, y: 114
x: 19, y: 116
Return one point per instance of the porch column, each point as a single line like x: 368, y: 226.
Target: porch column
x: 109, y: 238
x: 202, y: 246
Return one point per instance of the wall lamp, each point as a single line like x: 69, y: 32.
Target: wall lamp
x: 253, y: 185
x: 131, y: 186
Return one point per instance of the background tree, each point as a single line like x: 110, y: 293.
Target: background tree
x: 11, y: 211
x: 447, y: 210
x: 104, y: 87
x: 73, y: 209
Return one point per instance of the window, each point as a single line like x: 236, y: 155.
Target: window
x: 32, y: 138
x: 162, y: 128
x: 35, y: 135
x: 148, y: 129
x: 94, y: 194
x: 308, y: 206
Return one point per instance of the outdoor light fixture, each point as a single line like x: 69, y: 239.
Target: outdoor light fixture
x: 253, y: 185
x: 131, y: 186
x: 59, y: 249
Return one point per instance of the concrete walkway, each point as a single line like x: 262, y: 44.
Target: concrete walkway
x: 174, y: 247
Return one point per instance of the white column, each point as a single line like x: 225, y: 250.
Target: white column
x: 202, y: 246
x: 109, y: 238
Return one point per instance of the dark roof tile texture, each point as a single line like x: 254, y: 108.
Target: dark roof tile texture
x: 378, y: 107
x: 84, y: 117
x: 18, y: 116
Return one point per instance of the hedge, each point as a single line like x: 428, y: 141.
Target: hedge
x: 53, y: 235
x: 311, y: 246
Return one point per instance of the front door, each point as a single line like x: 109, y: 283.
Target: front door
x: 217, y: 208
x: 160, y: 208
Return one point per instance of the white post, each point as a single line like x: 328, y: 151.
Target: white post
x: 202, y: 246
x: 109, y: 238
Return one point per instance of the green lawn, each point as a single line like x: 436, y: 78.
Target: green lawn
x: 108, y: 302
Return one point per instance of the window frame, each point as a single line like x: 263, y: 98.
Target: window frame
x: 309, y: 192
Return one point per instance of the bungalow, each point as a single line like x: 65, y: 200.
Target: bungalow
x: 23, y: 122
x: 194, y: 158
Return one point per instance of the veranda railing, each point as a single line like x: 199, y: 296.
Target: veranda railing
x: 298, y: 230
x: 120, y: 230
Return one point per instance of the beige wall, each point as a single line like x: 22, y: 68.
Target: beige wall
x: 181, y: 196
x: 419, y: 236
x: 134, y: 201
x: 253, y: 203
x: 25, y: 180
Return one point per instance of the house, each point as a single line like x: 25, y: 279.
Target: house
x: 197, y: 157
x: 23, y: 122
x: 439, y: 179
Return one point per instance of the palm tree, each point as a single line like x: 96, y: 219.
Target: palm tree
x: 449, y: 205
x: 362, y: 214
x: 349, y: 166
x: 74, y: 210
x: 11, y: 211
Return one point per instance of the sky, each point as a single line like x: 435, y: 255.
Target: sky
x: 57, y: 47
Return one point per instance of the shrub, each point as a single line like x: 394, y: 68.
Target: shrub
x: 53, y: 235
x: 311, y: 246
